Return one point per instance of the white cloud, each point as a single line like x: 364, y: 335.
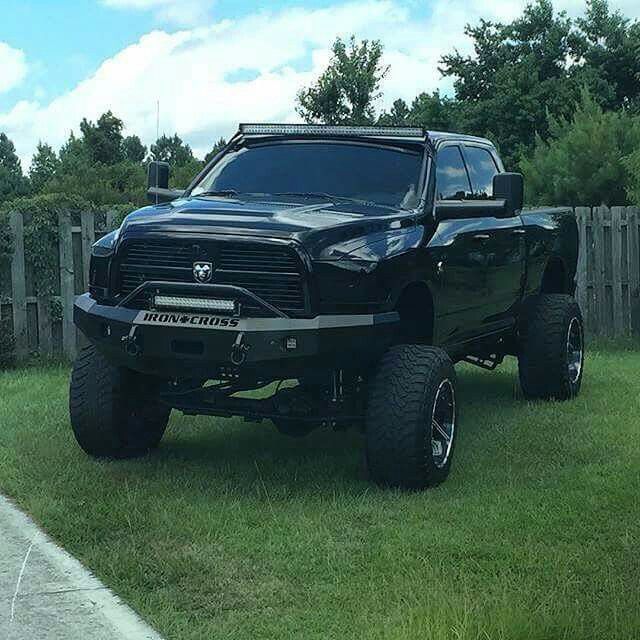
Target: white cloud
x: 13, y: 67
x: 181, y: 12
x: 189, y: 70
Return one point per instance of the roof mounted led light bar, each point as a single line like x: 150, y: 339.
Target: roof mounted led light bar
x: 331, y: 130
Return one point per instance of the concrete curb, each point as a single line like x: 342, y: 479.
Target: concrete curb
x: 47, y: 593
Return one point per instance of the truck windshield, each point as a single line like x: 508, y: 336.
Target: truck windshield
x: 383, y: 175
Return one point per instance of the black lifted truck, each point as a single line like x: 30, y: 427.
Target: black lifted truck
x: 357, y: 264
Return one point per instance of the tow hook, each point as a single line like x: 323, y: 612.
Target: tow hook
x: 239, y: 350
x: 131, y: 343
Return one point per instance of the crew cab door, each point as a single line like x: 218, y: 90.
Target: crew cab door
x: 502, y: 243
x: 479, y: 259
x: 458, y: 253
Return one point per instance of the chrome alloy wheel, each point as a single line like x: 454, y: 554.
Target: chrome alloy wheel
x: 443, y: 423
x: 575, y: 350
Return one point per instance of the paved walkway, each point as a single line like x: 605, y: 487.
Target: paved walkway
x: 45, y: 594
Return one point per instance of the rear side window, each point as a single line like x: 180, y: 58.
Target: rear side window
x: 482, y: 168
x: 452, y: 181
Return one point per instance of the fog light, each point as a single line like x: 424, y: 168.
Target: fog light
x: 201, y: 304
x: 291, y: 344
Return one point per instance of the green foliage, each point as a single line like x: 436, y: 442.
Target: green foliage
x: 40, y: 214
x: 172, y: 150
x: 78, y: 175
x: 632, y: 166
x: 133, y: 150
x: 103, y: 140
x: 587, y: 160
x: 12, y: 182
x: 346, y: 91
x: 217, y: 147
x: 535, y: 66
x: 44, y: 165
x: 428, y: 110
x: 181, y: 176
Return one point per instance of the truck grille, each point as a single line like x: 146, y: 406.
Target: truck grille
x: 272, y: 272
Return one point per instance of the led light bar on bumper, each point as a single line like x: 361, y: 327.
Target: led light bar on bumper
x: 334, y: 130
x: 194, y: 304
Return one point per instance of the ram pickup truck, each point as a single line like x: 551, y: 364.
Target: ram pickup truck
x: 355, y: 264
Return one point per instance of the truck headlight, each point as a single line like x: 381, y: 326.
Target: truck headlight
x: 106, y: 245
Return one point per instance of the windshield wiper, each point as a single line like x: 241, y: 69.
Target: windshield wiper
x: 307, y: 194
x: 223, y: 193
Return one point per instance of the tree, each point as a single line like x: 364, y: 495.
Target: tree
x: 536, y: 65
x: 217, y: 147
x: 172, y: 150
x: 77, y: 174
x: 103, y: 140
x: 432, y: 111
x: 43, y: 166
x: 12, y: 182
x: 607, y: 47
x: 587, y: 160
x: 346, y: 92
x: 133, y: 150
x: 399, y: 116
x: 517, y: 75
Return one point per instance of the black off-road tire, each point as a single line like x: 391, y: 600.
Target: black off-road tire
x: 544, y: 362
x: 402, y: 396
x: 114, y: 411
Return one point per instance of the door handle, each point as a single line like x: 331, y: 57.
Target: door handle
x: 481, y: 236
x: 518, y: 232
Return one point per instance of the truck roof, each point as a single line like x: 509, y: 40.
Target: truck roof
x: 417, y: 134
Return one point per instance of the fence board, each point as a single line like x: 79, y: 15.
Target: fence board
x: 67, y: 284
x: 599, y: 268
x: 45, y: 334
x: 111, y: 220
x: 88, y: 236
x: 19, y: 287
x: 616, y: 269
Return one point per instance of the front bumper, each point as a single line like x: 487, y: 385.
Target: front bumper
x: 178, y: 344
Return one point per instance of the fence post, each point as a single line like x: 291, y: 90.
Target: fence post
x: 18, y: 286
x: 88, y: 237
x: 67, y: 292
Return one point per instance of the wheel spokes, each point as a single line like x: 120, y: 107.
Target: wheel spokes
x: 441, y: 430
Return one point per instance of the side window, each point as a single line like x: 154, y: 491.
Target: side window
x: 452, y: 181
x: 482, y: 168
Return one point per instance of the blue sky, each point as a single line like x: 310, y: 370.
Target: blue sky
x: 210, y: 63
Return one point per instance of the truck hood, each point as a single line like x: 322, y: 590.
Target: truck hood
x: 320, y: 227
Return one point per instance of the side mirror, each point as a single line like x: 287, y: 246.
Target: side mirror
x: 158, y: 175
x: 510, y: 188
x: 158, y: 183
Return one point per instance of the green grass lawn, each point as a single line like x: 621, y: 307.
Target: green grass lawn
x: 233, y: 531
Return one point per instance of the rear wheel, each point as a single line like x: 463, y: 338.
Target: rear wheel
x: 551, y: 358
x: 115, y: 412
x: 412, y: 418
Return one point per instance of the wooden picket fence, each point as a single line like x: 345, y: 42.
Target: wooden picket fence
x: 608, y: 280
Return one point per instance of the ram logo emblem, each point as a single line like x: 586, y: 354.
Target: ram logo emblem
x: 202, y: 271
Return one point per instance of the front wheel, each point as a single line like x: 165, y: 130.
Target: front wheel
x: 411, y: 418
x: 115, y: 412
x: 551, y: 356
